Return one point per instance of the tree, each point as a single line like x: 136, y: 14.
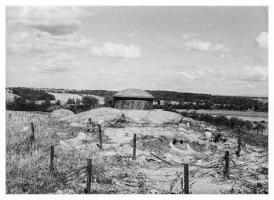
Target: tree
x: 89, y: 102
x: 58, y: 103
x: 71, y: 101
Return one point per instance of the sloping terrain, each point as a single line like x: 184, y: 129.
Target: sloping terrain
x: 110, y: 116
x: 162, y: 149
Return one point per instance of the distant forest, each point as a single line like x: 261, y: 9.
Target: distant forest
x: 194, y: 100
x: 184, y: 100
x: 31, y: 94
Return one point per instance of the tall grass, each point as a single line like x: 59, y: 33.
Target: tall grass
x: 26, y: 163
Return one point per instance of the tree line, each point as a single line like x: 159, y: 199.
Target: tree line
x: 222, y: 121
x: 31, y: 94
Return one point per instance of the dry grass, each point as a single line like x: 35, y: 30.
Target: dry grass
x: 27, y: 168
x: 26, y: 163
x: 244, y: 114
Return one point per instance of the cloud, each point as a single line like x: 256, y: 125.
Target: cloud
x: 254, y: 74
x: 262, y: 40
x: 117, y: 50
x: 188, y: 75
x: 191, y: 42
x: 37, y: 42
x: 54, y: 20
x: 189, y: 36
x: 197, y: 74
x: 55, y: 64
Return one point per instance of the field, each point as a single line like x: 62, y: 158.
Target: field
x: 157, y: 168
x: 63, y: 97
x: 245, y: 115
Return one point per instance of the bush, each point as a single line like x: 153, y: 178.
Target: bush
x: 21, y: 104
x: 89, y: 102
x: 222, y: 121
x: 32, y: 95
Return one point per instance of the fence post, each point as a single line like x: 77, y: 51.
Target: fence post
x: 32, y: 137
x: 226, y: 171
x: 89, y: 172
x: 100, y: 136
x: 239, y: 146
x: 134, y: 147
x: 51, y: 166
x: 186, y: 180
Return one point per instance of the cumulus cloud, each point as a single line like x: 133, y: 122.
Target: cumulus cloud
x: 262, y: 40
x: 36, y: 42
x: 54, y: 64
x: 251, y: 75
x: 191, y: 42
x: 117, y: 50
x: 255, y: 74
x: 54, y: 20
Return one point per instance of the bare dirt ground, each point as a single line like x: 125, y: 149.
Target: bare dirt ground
x: 158, y: 167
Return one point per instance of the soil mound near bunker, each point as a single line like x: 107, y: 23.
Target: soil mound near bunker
x: 108, y: 116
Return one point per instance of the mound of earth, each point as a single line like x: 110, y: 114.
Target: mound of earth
x: 61, y: 113
x: 111, y: 116
x: 98, y: 115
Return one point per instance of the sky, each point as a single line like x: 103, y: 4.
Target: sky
x: 214, y: 50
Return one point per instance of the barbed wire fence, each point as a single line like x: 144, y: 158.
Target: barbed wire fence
x: 92, y: 171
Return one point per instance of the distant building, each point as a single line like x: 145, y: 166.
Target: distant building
x: 133, y: 99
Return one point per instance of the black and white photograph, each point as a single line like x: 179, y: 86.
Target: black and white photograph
x: 142, y: 99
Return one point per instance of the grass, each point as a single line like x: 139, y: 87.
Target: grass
x: 26, y: 163
x: 262, y: 115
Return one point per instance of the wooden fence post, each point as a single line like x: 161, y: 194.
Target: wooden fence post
x: 89, y: 125
x: 51, y: 166
x: 32, y: 137
x: 226, y: 171
x: 100, y: 136
x: 186, y: 180
x: 134, y: 147
x: 89, y: 173
x: 239, y: 146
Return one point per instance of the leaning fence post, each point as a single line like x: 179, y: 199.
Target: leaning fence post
x: 226, y: 171
x: 134, y: 147
x: 100, y: 136
x: 186, y: 180
x: 89, y: 172
x: 51, y: 166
